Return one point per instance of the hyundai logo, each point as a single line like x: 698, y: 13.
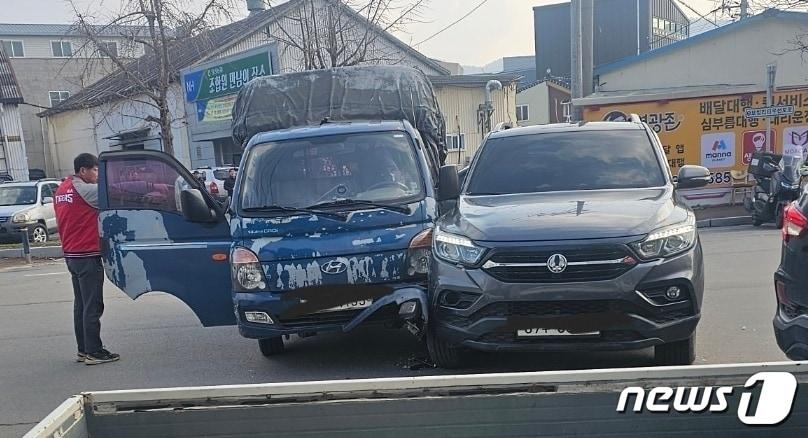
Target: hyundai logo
x: 335, y: 267
x: 557, y: 263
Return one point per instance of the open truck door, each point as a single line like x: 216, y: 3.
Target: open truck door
x: 147, y: 243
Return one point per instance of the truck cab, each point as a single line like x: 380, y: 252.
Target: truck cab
x: 329, y: 228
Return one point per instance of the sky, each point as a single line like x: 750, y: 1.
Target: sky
x: 498, y: 28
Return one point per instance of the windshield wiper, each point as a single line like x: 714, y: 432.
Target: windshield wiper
x: 282, y: 209
x: 351, y: 202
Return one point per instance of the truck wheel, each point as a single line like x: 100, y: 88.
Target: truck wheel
x: 756, y: 223
x: 271, y: 346
x: 39, y: 234
x: 676, y: 353
x: 444, y: 354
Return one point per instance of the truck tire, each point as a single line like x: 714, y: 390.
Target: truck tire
x: 444, y: 354
x: 271, y: 346
x: 676, y: 353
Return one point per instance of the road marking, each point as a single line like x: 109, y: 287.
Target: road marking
x: 42, y: 275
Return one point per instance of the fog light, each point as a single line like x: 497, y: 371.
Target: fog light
x: 408, y: 310
x: 673, y: 293
x: 258, y: 318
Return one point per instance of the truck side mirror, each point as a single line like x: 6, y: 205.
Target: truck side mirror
x: 194, y: 207
x: 693, y: 177
x: 448, y: 183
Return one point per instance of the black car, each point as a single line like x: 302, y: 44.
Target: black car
x: 791, y: 283
x: 567, y: 237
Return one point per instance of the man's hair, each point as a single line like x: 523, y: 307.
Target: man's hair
x: 84, y: 161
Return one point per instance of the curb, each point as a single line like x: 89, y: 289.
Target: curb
x: 47, y: 252
x: 724, y: 222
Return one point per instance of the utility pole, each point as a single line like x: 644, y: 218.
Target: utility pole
x: 587, y: 45
x: 744, y: 9
x: 771, y: 73
x: 638, y: 26
x: 576, y: 55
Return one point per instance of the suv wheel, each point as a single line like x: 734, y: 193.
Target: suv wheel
x: 442, y: 353
x: 39, y: 234
x: 676, y: 353
x: 271, y: 346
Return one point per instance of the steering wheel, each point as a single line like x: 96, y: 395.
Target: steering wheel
x: 388, y: 184
x: 327, y: 194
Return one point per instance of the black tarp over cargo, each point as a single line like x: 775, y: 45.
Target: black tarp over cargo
x: 341, y: 94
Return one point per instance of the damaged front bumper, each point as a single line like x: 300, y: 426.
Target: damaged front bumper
x: 304, y: 311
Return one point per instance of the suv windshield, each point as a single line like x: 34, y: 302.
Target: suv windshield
x: 376, y: 167
x: 17, y: 195
x: 561, y: 161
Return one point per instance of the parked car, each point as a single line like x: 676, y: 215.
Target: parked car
x: 791, y: 282
x: 214, y: 178
x: 568, y: 237
x: 36, y: 174
x: 5, y: 178
x: 28, y: 205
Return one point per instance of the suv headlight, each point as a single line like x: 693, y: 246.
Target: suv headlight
x: 20, y: 218
x: 456, y: 249
x: 668, y: 241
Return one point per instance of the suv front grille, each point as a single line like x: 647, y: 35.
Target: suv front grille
x: 4, y: 219
x: 583, y: 264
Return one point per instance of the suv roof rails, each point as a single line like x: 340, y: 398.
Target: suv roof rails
x: 635, y: 118
x: 503, y: 126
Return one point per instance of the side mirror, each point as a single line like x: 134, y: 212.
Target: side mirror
x: 47, y: 200
x: 194, y: 207
x: 693, y: 177
x: 448, y: 183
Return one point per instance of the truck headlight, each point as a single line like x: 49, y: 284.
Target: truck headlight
x: 20, y: 218
x: 247, y: 273
x: 419, y: 253
x: 456, y: 249
x: 668, y: 241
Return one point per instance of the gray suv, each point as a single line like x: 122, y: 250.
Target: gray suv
x: 28, y: 205
x: 567, y: 237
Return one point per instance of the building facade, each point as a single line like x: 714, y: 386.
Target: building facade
x: 53, y: 62
x: 219, y: 63
x: 620, y: 29
x: 542, y: 102
x: 13, y: 163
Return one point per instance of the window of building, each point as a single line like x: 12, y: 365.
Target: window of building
x: 57, y: 97
x: 108, y: 49
x: 14, y: 49
x: 522, y: 113
x: 456, y: 142
x: 62, y: 49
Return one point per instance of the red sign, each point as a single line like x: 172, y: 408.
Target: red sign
x: 755, y: 141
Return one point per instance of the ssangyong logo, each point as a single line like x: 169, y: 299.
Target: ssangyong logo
x: 774, y: 403
x: 557, y: 263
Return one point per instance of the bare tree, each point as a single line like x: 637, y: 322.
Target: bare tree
x: 340, y: 33
x: 160, y: 27
x: 732, y: 8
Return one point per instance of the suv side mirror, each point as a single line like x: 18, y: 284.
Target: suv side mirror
x: 693, y: 177
x: 194, y: 207
x: 47, y: 200
x: 448, y: 183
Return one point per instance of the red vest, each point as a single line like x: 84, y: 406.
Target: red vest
x: 77, y: 221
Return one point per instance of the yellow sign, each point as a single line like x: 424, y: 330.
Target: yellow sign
x: 217, y: 109
x: 714, y: 132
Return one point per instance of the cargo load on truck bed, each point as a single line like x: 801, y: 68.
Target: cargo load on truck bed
x: 366, y: 93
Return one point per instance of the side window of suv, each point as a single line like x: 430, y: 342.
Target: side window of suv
x: 47, y: 191
x: 144, y: 183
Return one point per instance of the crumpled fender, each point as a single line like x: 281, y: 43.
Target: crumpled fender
x: 399, y: 296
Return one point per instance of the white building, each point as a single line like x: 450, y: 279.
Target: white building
x: 542, y: 102
x: 53, y: 62
x: 12, y: 141
x: 97, y: 119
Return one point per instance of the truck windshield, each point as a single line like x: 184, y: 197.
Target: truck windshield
x: 17, y: 195
x: 299, y: 173
x: 562, y: 161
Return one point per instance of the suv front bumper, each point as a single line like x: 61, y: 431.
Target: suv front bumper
x: 617, y: 309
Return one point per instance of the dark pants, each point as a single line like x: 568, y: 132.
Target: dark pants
x: 88, y: 290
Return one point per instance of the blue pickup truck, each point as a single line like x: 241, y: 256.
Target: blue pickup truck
x: 330, y: 225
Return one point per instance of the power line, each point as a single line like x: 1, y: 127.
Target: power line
x: 452, y: 24
x: 697, y: 12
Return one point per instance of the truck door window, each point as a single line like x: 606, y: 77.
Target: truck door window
x: 144, y: 183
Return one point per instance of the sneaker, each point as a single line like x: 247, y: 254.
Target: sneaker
x: 81, y: 356
x: 101, y: 356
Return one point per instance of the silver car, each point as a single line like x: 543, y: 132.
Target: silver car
x: 28, y: 205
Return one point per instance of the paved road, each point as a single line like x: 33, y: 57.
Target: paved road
x: 162, y: 343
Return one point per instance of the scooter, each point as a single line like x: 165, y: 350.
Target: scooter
x: 778, y: 184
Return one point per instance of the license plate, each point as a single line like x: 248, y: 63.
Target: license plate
x: 361, y: 304
x: 539, y: 332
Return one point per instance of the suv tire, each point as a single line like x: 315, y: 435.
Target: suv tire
x: 271, y: 346
x: 676, y: 353
x: 444, y: 354
x: 39, y: 234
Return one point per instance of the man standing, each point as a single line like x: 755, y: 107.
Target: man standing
x: 230, y: 183
x: 76, y: 205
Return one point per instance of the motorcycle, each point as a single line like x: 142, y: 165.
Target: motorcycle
x: 777, y: 185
